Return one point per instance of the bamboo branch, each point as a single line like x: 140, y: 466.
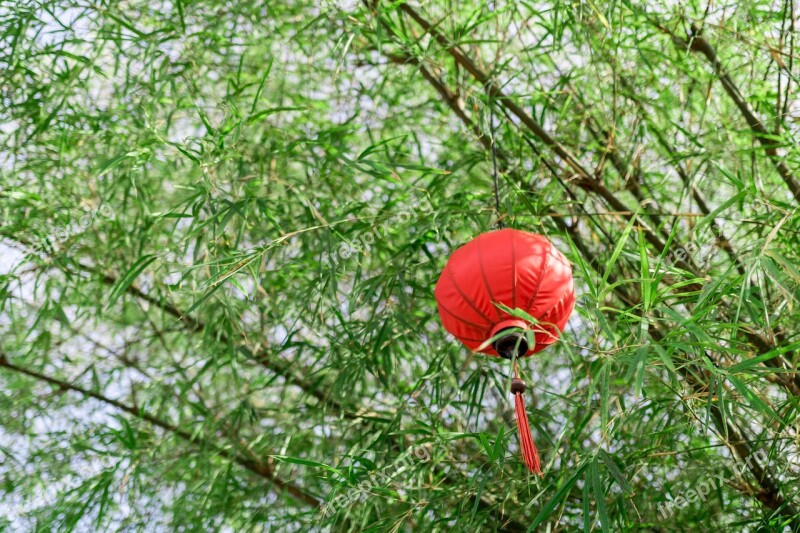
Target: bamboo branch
x: 260, y: 356
x: 252, y: 464
x: 697, y: 43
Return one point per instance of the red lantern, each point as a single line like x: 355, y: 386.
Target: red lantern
x: 519, y: 270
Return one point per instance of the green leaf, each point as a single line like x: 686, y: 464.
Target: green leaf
x: 599, y: 497
x: 255, y: 117
x: 708, y: 219
x: 127, y: 279
x: 618, y: 249
x: 614, y: 470
x: 558, y: 497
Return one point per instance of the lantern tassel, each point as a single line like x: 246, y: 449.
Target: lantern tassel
x: 529, y: 452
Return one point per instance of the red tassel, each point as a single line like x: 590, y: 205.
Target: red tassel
x: 529, y: 452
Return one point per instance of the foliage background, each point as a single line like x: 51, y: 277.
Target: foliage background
x: 192, y: 359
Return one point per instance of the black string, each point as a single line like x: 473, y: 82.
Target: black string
x: 494, y: 164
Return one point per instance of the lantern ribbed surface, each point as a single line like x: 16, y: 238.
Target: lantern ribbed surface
x: 512, y: 267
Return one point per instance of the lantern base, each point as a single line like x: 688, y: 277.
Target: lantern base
x: 505, y: 345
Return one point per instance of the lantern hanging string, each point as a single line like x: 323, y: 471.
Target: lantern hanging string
x: 490, y: 100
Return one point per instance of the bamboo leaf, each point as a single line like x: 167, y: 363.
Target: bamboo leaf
x: 127, y: 279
